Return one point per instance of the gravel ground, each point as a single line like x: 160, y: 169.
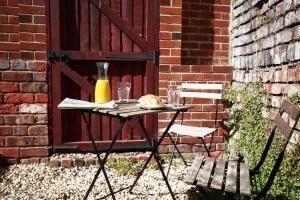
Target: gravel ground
x: 39, y: 181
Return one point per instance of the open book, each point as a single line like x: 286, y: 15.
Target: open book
x: 68, y: 103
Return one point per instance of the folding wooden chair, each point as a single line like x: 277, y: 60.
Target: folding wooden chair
x: 203, y: 91
x: 235, y: 177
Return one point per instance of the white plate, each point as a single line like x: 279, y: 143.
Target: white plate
x: 154, y: 107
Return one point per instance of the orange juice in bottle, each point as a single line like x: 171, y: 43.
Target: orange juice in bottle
x: 102, y: 89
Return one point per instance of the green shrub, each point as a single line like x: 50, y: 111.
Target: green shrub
x: 248, y: 118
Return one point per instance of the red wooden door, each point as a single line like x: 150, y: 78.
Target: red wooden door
x: 124, y: 33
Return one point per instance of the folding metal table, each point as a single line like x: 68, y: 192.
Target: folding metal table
x: 126, y: 112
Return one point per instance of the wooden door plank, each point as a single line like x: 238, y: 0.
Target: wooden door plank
x: 205, y: 172
x: 138, y: 22
x: 190, y: 177
x: 218, y: 177
x: 115, y: 31
x: 123, y: 26
x: 137, y: 87
x: 55, y: 26
x: 245, y: 179
x: 127, y: 15
x: 95, y: 21
x: 105, y: 30
x: 84, y: 25
x: 231, y: 177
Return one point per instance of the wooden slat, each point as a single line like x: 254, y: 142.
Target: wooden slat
x: 190, y: 177
x: 115, y: 31
x: 78, y: 79
x: 231, y: 178
x: 244, y: 179
x: 127, y: 16
x: 291, y: 109
x: 282, y: 126
x: 95, y: 25
x: 84, y: 25
x: 205, y: 172
x: 123, y: 26
x: 138, y: 22
x: 202, y: 86
x: 105, y: 31
x: 203, y: 95
x: 218, y: 174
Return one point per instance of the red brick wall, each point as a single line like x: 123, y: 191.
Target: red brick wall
x: 23, y: 75
x: 194, y: 47
x: 23, y: 69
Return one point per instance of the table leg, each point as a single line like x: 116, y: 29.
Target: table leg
x: 101, y: 162
x: 154, y: 150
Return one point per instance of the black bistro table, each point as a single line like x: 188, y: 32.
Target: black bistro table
x: 126, y: 112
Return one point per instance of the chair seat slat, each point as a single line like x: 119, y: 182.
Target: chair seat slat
x: 205, y: 172
x: 190, y: 177
x: 291, y: 109
x: 218, y: 175
x: 203, y: 95
x: 231, y: 178
x: 201, y: 86
x: 244, y: 179
x: 282, y: 126
x: 191, y: 130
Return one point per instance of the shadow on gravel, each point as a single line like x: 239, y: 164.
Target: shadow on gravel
x: 194, y: 194
x: 3, y: 166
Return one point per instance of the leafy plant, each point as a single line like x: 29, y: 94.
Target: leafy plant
x: 248, y: 117
x: 125, y: 167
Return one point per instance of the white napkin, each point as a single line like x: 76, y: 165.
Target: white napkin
x: 69, y: 103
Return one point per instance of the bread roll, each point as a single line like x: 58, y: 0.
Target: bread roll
x: 150, y: 100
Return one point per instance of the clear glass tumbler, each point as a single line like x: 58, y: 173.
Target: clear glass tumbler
x: 123, y: 91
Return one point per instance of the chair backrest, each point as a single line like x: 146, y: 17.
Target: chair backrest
x: 286, y: 132
x: 206, y: 91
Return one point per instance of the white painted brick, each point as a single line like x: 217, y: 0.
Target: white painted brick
x: 33, y: 108
x: 297, y: 50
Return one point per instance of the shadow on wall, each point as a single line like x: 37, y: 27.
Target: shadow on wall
x: 205, y: 36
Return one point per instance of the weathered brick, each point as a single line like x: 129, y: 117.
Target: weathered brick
x: 18, y: 98
x: 6, y: 130
x: 41, y: 98
x: 26, y: 141
x: 40, y: 76
x: 16, y: 76
x: 4, y: 64
x: 18, y: 119
x: 8, y: 108
x: 9, y: 87
x: 33, y: 108
x: 54, y: 162
x: 37, y: 65
x: 33, y: 87
x: 38, y: 130
x: 40, y: 118
x: 78, y: 162
x: 18, y: 64
x: 89, y: 161
x: 34, y: 152
x: 9, y: 152
x: 20, y: 130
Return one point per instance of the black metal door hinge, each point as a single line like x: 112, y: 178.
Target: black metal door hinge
x: 61, y: 57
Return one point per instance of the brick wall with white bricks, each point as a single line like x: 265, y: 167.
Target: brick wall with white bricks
x: 23, y: 81
x: 194, y: 47
x: 266, y: 47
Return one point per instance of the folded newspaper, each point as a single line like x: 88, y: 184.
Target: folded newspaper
x: 68, y: 103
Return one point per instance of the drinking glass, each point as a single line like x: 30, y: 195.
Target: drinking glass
x: 123, y: 91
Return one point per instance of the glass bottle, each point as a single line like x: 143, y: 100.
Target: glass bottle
x: 102, y: 90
